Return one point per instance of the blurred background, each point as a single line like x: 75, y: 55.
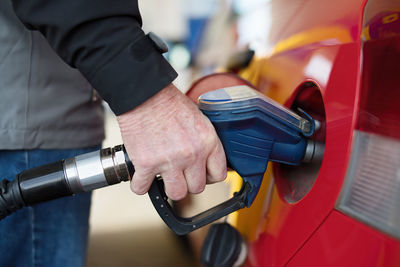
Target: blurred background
x: 203, y: 37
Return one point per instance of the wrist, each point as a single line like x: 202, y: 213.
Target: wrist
x: 157, y: 103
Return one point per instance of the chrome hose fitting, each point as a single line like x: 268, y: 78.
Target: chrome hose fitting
x: 96, y: 169
x: 114, y: 164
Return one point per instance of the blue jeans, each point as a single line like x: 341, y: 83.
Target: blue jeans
x: 54, y: 233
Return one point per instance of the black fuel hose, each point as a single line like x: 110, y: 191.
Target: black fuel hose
x: 33, y: 186
x: 10, y: 198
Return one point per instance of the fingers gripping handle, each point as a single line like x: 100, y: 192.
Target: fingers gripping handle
x: 181, y: 225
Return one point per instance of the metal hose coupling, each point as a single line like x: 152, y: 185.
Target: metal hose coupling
x: 97, y: 169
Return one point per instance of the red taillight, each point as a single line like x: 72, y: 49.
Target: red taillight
x: 379, y: 110
x: 371, y: 192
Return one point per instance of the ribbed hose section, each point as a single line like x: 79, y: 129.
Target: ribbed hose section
x: 10, y: 198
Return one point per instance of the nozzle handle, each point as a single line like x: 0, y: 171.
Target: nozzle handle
x: 182, y: 225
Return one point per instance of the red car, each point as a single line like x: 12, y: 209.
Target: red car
x: 340, y: 62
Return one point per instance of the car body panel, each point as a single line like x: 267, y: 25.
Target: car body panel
x: 289, y: 225
x: 318, y: 42
x: 346, y: 53
x: 363, y: 246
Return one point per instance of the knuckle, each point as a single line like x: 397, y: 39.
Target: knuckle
x: 218, y: 175
x: 210, y: 140
x: 222, y: 171
x: 188, y: 154
x: 139, y: 188
x: 177, y: 194
x: 192, y: 154
x: 175, y: 187
x: 196, y: 179
x: 148, y: 164
x: 144, y: 163
x: 197, y: 188
x: 222, y: 175
x: 220, y: 178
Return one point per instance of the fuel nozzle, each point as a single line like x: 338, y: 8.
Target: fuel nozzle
x: 254, y: 130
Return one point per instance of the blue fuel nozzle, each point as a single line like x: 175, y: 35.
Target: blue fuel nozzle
x: 254, y: 130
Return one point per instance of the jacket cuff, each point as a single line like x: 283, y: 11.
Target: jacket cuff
x: 137, y: 73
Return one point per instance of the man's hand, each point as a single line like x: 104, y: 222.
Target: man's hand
x: 168, y: 135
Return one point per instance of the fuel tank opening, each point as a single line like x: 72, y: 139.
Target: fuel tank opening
x: 294, y: 182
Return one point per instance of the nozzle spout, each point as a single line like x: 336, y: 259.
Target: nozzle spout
x: 314, y: 151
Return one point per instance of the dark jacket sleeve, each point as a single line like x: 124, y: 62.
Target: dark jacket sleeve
x: 104, y: 40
